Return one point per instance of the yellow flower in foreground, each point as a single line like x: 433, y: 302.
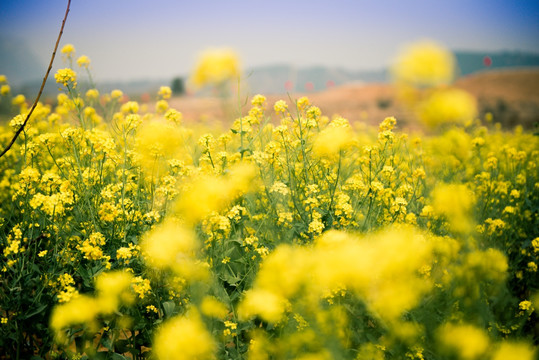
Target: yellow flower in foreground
x: 167, y: 244
x: 332, y: 140
x: 183, y: 337
x: 80, y: 310
x: 207, y: 194
x: 215, y: 67
x: 514, y: 351
x: 66, y: 77
x: 468, y: 341
x: 112, y: 289
x: 268, y: 305
x: 454, y: 201
x: 212, y: 307
x: 448, y: 106
x: 424, y: 63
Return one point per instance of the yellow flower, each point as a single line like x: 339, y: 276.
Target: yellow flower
x: 68, y: 49
x: 161, y: 106
x: 213, y: 308
x: 19, y: 100
x: 258, y: 100
x: 5, y: 89
x: 468, y: 341
x: 280, y: 107
x: 80, y: 310
x: 92, y: 94
x: 215, y: 67
x: 112, y: 289
x: 174, y: 116
x: 525, y: 305
x: 165, y: 92
x: 266, y: 304
x: 424, y: 63
x: 454, y: 201
x: 183, y: 337
x: 447, y: 106
x: 116, y: 94
x: 83, y: 61
x: 66, y: 77
x: 332, y: 140
x: 514, y: 351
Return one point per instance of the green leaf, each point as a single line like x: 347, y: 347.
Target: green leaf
x: 169, y: 307
x: 36, y: 311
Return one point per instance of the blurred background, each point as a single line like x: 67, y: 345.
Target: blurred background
x: 338, y: 51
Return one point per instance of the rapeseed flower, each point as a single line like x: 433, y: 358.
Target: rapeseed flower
x: 425, y: 63
x: 66, y: 77
x: 184, y: 337
x: 215, y: 67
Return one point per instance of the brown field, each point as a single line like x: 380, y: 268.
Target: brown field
x: 511, y: 95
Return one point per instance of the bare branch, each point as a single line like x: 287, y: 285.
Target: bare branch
x: 42, y: 84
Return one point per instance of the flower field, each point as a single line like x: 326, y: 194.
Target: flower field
x: 292, y: 234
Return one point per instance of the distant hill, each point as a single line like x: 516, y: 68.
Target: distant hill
x: 272, y: 79
x: 472, y: 62
x: 280, y: 78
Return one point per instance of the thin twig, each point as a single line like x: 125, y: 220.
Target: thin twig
x: 42, y: 85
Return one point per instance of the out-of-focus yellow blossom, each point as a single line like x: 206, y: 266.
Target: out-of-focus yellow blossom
x: 165, y: 92
x: 212, y: 307
x: 116, y: 94
x: 215, y: 67
x: 266, y: 304
x: 66, y: 77
x: 130, y: 107
x: 92, y: 94
x: 468, y: 341
x: 174, y: 116
x: 258, y: 100
x: 208, y: 194
x: 169, y: 244
x: 81, y: 310
x: 19, y: 100
x: 68, y: 49
x: 184, y: 337
x: 280, y: 107
x: 425, y: 63
x: 514, y: 351
x: 383, y: 270
x: 3, y: 78
x: 113, y: 288
x: 447, y: 106
x: 332, y: 140
x: 303, y: 103
x: 5, y: 89
x: 83, y: 61
x: 454, y: 201
x: 157, y: 140
x: 161, y: 106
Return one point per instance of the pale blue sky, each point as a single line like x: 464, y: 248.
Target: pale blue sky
x: 136, y: 39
